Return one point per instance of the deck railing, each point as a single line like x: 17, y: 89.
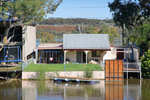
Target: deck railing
x: 132, y: 65
x: 26, y: 63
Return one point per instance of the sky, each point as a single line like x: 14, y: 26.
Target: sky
x: 91, y: 9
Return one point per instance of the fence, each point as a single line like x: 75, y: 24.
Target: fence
x: 114, y: 70
x: 132, y: 65
x: 26, y: 63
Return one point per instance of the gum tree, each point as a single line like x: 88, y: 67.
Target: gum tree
x: 127, y: 15
x: 24, y: 12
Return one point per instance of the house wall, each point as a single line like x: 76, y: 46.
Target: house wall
x: 110, y: 54
x: 72, y: 56
x: 136, y: 54
x: 30, y: 41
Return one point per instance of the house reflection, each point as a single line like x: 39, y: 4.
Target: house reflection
x: 33, y: 90
x: 114, y: 91
x: 10, y: 90
x: 126, y: 90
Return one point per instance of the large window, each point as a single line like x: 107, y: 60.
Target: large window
x: 96, y: 53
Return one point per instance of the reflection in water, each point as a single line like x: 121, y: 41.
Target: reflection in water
x: 47, y: 90
x: 62, y: 91
x: 132, y: 89
x: 10, y: 90
x: 114, y: 91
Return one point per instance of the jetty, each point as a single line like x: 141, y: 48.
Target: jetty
x: 75, y: 79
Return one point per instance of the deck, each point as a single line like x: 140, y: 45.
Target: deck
x: 10, y: 68
x: 131, y: 70
x: 134, y: 67
x: 75, y: 79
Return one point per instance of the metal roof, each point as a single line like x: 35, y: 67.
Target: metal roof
x: 49, y: 46
x: 86, y: 41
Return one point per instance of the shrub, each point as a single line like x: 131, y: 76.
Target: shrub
x: 145, y: 65
x: 88, y: 73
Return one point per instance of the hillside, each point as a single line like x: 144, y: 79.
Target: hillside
x: 64, y: 28
x: 76, y: 21
x: 52, y: 29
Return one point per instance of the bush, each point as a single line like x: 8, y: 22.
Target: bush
x: 88, y: 73
x: 145, y: 65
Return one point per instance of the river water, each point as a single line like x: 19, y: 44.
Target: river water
x: 132, y: 89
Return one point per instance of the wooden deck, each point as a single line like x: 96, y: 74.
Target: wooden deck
x: 10, y: 68
x: 131, y: 70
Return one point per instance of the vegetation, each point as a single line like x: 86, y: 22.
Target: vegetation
x: 111, y: 31
x: 50, y: 33
x: 88, y: 73
x: 41, y: 75
x: 127, y: 15
x: 60, y: 67
x: 24, y: 12
x: 76, y: 21
x: 141, y: 37
x: 133, y: 17
x: 146, y: 65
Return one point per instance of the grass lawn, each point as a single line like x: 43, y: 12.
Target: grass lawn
x: 60, y: 67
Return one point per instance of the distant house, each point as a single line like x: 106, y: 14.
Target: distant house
x: 85, y: 48
x: 21, y: 45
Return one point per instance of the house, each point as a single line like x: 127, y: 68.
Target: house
x: 21, y: 45
x: 126, y: 53
x: 85, y: 48
x: 76, y: 48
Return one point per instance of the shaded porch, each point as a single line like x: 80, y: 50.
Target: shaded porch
x: 83, y: 56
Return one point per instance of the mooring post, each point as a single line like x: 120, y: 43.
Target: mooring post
x: 127, y: 70
x: 140, y: 70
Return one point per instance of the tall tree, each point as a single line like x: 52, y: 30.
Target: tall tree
x: 141, y: 36
x: 126, y: 14
x: 24, y: 12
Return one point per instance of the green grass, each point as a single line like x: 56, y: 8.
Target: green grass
x: 60, y: 67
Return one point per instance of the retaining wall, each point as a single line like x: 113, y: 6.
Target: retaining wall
x: 49, y: 75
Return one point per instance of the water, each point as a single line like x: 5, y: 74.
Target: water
x: 133, y: 89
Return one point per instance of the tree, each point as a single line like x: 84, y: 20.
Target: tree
x: 46, y: 37
x: 24, y: 12
x: 126, y: 14
x: 90, y: 30
x: 141, y: 36
x: 111, y: 31
x: 146, y: 65
x: 145, y: 5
